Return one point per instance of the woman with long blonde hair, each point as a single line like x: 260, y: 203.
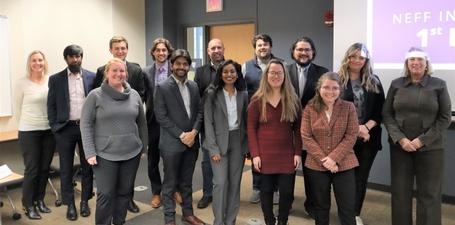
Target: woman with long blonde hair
x: 274, y: 139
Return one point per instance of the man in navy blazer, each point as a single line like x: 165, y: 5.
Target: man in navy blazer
x: 204, y: 76
x: 178, y: 110
x: 67, y: 92
x: 304, y: 75
x: 156, y: 73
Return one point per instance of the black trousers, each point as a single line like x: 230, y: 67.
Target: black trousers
x: 256, y: 177
x: 114, y: 183
x: 344, y: 188
x: 37, y: 150
x: 285, y: 184
x: 66, y: 140
x: 427, y: 169
x: 154, y: 157
x: 309, y: 202
x: 178, y: 175
x: 365, y: 155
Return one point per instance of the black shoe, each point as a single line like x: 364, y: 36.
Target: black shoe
x: 132, y: 207
x: 85, y: 210
x: 71, y: 212
x: 42, y: 207
x: 31, y: 213
x: 204, y: 202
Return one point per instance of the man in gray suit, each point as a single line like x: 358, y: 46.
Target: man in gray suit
x: 159, y: 71
x: 179, y: 113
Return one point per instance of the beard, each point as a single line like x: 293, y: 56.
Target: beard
x: 305, y: 64
x: 75, y: 68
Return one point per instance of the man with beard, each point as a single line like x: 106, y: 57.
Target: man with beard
x: 304, y: 75
x: 67, y: 92
x: 204, y: 77
x: 154, y: 74
x: 179, y: 113
x: 252, y: 71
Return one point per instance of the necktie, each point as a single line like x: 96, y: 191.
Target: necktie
x: 302, y: 80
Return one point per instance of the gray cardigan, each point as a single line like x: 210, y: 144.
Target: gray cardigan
x: 418, y: 110
x: 113, y: 124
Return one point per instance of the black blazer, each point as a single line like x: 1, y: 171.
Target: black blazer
x: 372, y: 111
x: 135, y: 78
x: 171, y: 114
x: 149, y: 82
x: 58, y: 100
x: 203, y: 77
x: 313, y: 75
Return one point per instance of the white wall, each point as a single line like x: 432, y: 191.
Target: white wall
x: 50, y: 26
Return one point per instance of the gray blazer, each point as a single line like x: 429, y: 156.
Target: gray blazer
x: 171, y: 114
x: 216, y: 122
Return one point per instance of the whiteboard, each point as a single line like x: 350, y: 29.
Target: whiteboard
x: 5, y: 76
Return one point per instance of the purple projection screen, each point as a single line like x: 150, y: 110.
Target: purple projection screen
x: 396, y: 25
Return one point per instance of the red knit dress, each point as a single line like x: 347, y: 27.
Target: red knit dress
x: 275, y: 142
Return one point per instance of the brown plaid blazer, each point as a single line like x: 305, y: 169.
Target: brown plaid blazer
x: 334, y: 139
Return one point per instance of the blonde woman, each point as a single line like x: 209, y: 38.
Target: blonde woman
x: 363, y: 88
x: 274, y: 139
x: 36, y: 140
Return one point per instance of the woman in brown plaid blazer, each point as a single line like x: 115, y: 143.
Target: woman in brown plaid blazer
x: 329, y: 130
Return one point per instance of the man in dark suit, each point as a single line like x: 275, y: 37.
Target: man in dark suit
x: 156, y: 73
x: 204, y: 77
x: 304, y: 75
x: 178, y: 110
x: 67, y: 92
x: 118, y: 46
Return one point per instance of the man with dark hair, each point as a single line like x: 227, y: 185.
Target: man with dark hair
x: 154, y: 74
x: 67, y: 92
x: 304, y: 75
x: 178, y: 110
x: 252, y: 70
x: 118, y: 47
x: 204, y: 77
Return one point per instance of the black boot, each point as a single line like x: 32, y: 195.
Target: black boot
x: 31, y: 213
x: 41, y: 206
x: 282, y: 221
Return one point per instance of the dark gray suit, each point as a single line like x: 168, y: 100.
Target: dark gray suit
x: 232, y: 146
x: 153, y: 129
x: 178, y: 159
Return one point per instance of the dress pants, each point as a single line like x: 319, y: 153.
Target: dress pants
x: 207, y: 173
x: 114, y: 183
x: 66, y: 140
x: 154, y: 156
x: 37, y: 150
x: 427, y: 168
x: 285, y: 184
x: 344, y: 188
x: 178, y: 175
x: 226, y: 182
x: 365, y: 155
x: 309, y: 202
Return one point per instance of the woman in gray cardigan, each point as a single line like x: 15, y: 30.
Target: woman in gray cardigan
x: 114, y: 133
x: 416, y: 114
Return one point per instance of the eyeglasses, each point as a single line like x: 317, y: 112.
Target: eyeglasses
x: 328, y: 88
x: 274, y: 73
x: 304, y: 49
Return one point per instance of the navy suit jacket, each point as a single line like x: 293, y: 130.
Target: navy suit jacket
x: 58, y: 100
x: 171, y: 114
x: 313, y: 75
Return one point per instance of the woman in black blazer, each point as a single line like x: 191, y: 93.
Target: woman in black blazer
x: 364, y: 89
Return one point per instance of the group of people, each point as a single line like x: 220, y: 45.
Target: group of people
x: 278, y: 115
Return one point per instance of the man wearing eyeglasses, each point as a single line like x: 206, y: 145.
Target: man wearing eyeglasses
x: 304, y: 75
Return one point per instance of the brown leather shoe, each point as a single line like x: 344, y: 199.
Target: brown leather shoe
x: 193, y: 220
x: 178, y: 197
x: 155, y: 202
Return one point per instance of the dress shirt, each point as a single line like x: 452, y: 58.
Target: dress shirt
x: 76, y: 94
x: 231, y: 108
x: 161, y: 72
x: 185, y: 93
x: 302, y: 78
